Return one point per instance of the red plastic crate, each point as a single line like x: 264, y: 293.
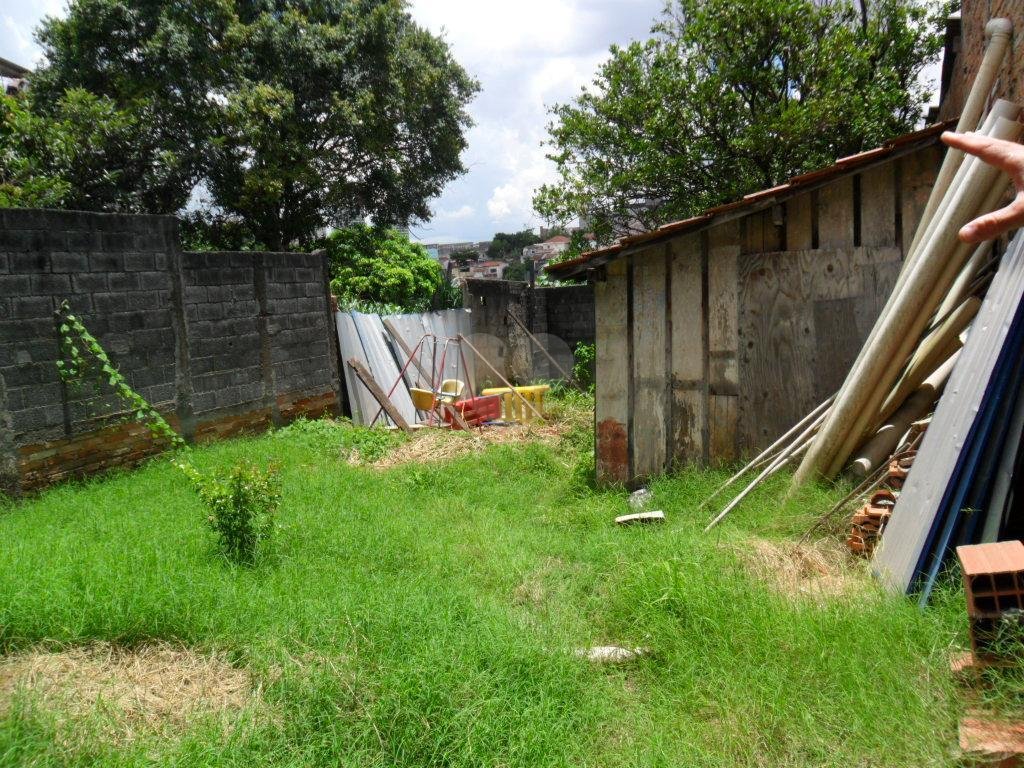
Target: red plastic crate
x: 477, y: 410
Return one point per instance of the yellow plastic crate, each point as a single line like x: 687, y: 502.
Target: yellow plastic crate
x: 512, y: 408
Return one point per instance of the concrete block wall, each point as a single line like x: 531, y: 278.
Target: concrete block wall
x: 219, y: 342
x: 565, y: 313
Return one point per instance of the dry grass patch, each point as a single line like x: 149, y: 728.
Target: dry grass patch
x: 158, y: 687
x: 819, y: 569
x: 427, y: 445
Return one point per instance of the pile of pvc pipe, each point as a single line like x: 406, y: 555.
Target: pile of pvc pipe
x: 909, y: 355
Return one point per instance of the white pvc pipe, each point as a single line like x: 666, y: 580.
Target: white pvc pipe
x: 903, y: 323
x: 998, y: 32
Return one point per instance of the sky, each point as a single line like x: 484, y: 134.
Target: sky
x: 528, y: 55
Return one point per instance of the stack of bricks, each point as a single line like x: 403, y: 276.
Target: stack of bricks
x: 994, y: 585
x: 869, y: 522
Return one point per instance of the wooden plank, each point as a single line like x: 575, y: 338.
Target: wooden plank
x: 799, y: 232
x: 878, y: 206
x: 723, y: 340
x: 689, y: 412
x: 835, y: 214
x: 648, y: 436
x: 612, y: 375
x: 722, y: 418
x: 917, y: 173
x: 378, y: 394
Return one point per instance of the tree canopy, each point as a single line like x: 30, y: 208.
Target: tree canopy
x: 290, y: 115
x: 375, y: 266
x: 731, y: 96
x: 509, y: 245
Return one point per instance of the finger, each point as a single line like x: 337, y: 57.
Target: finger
x: 1005, y: 155
x: 994, y: 224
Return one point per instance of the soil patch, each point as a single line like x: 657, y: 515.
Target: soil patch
x: 427, y: 445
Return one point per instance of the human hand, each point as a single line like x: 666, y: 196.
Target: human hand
x: 1008, y: 156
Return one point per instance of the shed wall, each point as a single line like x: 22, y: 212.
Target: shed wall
x: 713, y: 343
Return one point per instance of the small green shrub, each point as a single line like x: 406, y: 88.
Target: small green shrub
x: 583, y: 368
x: 242, y: 509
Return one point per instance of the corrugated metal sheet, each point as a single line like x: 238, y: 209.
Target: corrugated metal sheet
x: 911, y: 533
x: 795, y: 185
x: 364, y: 337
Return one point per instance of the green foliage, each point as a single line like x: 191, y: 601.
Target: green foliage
x: 293, y: 115
x: 429, y: 615
x: 80, y: 155
x: 509, y: 245
x: 584, y: 358
x: 731, y: 96
x: 83, y: 357
x: 205, y: 230
x: 373, y: 266
x: 242, y: 507
x: 464, y: 256
x: 341, y: 438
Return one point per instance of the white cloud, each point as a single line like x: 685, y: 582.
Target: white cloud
x: 462, y: 212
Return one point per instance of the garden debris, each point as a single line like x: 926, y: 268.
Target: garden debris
x: 434, y: 445
x: 869, y: 522
x: 154, y: 687
x: 819, y: 569
x: 611, y: 654
x: 639, y: 499
x: 641, y: 518
x: 992, y: 741
x: 994, y: 586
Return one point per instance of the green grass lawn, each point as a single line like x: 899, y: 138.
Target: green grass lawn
x: 428, y: 614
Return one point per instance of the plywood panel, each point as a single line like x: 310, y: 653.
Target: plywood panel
x: 689, y: 387
x: 878, y: 206
x: 777, y: 356
x: 835, y: 214
x: 799, y: 233
x: 649, y: 437
x: 612, y: 334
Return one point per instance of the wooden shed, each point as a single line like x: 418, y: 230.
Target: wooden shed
x: 716, y: 334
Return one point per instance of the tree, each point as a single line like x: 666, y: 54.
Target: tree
x: 374, y: 266
x: 79, y: 156
x: 509, y: 246
x: 731, y: 96
x: 464, y: 256
x: 294, y: 115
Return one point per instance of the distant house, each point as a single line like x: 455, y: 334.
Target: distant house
x: 13, y: 76
x: 543, y: 252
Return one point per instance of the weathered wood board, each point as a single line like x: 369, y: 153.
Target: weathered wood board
x: 689, y: 384
x: 835, y: 214
x: 878, y: 206
x: 723, y: 339
x: 799, y: 223
x: 648, y: 433
x: 613, y: 374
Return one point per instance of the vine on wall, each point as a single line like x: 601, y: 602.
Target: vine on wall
x: 83, y: 355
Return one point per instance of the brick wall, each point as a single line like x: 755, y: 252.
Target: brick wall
x: 559, y: 316
x: 969, y: 47
x: 219, y: 342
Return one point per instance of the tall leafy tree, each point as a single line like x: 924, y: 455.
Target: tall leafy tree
x: 292, y: 115
x: 731, y: 96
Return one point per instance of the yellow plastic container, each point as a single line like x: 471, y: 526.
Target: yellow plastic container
x: 512, y: 408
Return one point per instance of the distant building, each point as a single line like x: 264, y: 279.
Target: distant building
x: 14, y: 77
x: 544, y: 252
